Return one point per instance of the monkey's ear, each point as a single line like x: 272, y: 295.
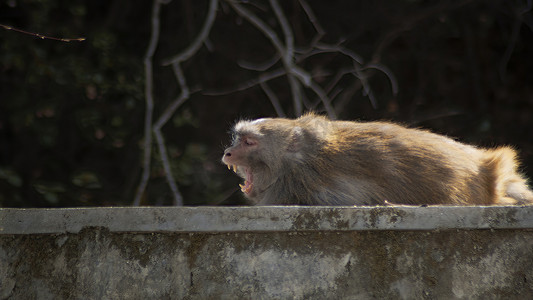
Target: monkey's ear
x: 296, y: 139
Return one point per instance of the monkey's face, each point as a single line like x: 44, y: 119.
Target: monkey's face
x: 253, y: 155
x: 238, y: 158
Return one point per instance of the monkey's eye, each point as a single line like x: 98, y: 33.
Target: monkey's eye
x: 249, y: 142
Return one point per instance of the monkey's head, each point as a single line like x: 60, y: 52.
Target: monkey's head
x: 263, y: 150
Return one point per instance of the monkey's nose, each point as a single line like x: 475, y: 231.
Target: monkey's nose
x: 227, y: 153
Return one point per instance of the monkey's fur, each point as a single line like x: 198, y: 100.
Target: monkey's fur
x: 314, y: 161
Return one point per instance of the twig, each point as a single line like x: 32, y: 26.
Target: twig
x: 176, y: 61
x: 387, y: 72
x: 201, y: 38
x: 337, y: 78
x: 340, y: 49
x: 149, y: 99
x: 264, y: 77
x: 259, y: 24
x: 296, y: 76
x: 284, y: 50
x: 287, y: 54
x: 367, y: 90
x: 312, y: 18
x: 178, y: 199
x: 184, y: 95
x: 358, y: 70
x: 41, y: 36
x: 259, y: 67
x: 273, y: 99
x: 158, y: 125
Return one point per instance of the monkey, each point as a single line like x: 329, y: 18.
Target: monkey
x: 312, y: 160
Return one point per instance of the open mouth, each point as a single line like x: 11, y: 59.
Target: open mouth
x: 246, y: 188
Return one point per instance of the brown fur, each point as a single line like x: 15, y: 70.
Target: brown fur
x: 314, y: 161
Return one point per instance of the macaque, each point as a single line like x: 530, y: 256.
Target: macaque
x: 314, y: 161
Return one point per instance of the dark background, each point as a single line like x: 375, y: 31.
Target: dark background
x: 72, y: 113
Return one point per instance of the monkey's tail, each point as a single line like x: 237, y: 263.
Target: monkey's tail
x: 508, y: 186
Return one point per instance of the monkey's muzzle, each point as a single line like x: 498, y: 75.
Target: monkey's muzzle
x: 245, y: 173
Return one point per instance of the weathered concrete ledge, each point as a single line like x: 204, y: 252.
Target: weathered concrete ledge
x: 267, y: 253
x: 266, y: 218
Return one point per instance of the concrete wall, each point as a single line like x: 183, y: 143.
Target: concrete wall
x: 267, y: 252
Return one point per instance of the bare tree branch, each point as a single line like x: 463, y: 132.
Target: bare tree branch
x: 387, y: 72
x: 175, y: 61
x: 149, y: 101
x: 163, y: 119
x: 261, y: 67
x: 312, y: 18
x: 273, y: 99
x: 287, y: 54
x: 358, y: 70
x: 340, y: 49
x: 171, y: 109
x: 367, y: 90
x: 184, y: 95
x: 263, y: 77
x: 201, y: 38
x: 259, y: 24
x: 42, y: 36
x: 338, y: 76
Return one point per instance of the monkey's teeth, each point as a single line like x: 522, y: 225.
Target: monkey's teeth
x: 246, y: 187
x: 232, y: 167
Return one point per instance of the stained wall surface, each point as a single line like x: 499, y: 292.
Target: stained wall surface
x: 267, y: 252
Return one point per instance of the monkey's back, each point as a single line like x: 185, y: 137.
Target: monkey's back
x: 370, y: 163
